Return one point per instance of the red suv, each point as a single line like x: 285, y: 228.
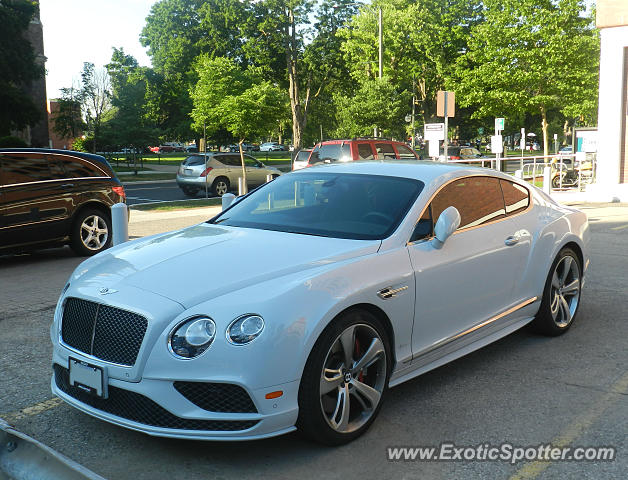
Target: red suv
x: 330, y: 151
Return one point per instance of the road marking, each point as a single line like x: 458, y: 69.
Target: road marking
x: 33, y: 410
x: 576, y: 428
x: 621, y: 227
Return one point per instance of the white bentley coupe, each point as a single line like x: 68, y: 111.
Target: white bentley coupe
x: 299, y: 305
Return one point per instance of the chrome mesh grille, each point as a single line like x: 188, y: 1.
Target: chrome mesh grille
x: 217, y: 397
x: 105, y: 332
x: 138, y: 408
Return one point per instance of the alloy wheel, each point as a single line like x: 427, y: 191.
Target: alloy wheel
x: 565, y: 292
x: 94, y: 232
x: 221, y: 187
x: 353, y: 378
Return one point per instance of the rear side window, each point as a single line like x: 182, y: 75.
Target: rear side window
x: 230, y: 160
x: 194, y: 160
x: 331, y: 153
x: 303, y: 156
x: 478, y: 199
x: 385, y: 150
x: 516, y: 197
x: 76, y: 168
x: 365, y: 152
x: 405, y: 152
x: 24, y: 168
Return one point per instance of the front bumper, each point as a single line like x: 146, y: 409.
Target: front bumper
x: 156, y: 408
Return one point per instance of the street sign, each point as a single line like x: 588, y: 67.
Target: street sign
x: 440, y: 103
x: 433, y: 150
x: 434, y: 131
x: 499, y: 124
x: 481, y: 131
x: 496, y: 144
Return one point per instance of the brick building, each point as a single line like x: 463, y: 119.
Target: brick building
x: 56, y: 141
x: 37, y: 135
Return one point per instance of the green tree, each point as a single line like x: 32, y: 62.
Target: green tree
x: 531, y: 56
x: 131, y: 122
x: 18, y: 66
x: 376, y: 103
x: 95, y: 98
x: 68, y: 121
x: 422, y: 40
x: 238, y: 100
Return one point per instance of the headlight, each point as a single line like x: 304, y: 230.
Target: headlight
x: 192, y: 337
x: 245, y: 329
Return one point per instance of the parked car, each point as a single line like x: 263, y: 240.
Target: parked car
x: 250, y: 147
x: 301, y: 158
x: 56, y: 197
x: 191, y: 149
x: 271, y: 147
x: 331, y: 151
x: 219, y: 172
x: 328, y: 286
x: 455, y: 152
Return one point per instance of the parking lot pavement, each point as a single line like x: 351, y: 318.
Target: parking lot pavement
x: 525, y: 389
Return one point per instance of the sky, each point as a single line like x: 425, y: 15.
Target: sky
x: 77, y: 31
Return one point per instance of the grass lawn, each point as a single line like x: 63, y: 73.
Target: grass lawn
x: 144, y: 178
x: 180, y: 205
x: 123, y: 169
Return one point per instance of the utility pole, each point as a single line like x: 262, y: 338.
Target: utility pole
x: 413, y: 107
x: 446, y: 141
x: 381, y: 53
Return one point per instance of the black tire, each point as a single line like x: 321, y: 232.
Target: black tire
x: 189, y: 192
x: 312, y: 421
x: 556, y: 182
x: 547, y: 321
x: 90, y: 221
x: 220, y: 186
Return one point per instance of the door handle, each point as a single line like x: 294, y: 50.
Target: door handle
x: 512, y: 240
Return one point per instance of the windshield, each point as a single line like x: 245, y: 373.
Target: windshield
x: 353, y: 206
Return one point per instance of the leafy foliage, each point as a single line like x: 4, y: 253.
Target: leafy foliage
x: 531, y: 56
x: 18, y: 66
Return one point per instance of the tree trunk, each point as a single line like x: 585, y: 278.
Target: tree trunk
x: 544, y: 127
x: 244, y: 186
x: 299, y: 112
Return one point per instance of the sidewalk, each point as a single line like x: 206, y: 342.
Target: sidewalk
x: 143, y: 223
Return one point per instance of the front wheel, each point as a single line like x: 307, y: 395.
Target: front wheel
x: 561, y: 296
x: 344, y: 380
x: 91, y: 232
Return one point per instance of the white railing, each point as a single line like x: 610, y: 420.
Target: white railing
x: 565, y: 170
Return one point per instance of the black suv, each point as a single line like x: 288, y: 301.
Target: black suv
x: 55, y: 197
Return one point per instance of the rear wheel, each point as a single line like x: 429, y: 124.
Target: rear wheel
x: 91, y: 232
x: 345, y: 379
x: 561, y: 297
x: 220, y: 186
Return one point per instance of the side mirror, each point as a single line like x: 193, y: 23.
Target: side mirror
x: 447, y: 223
x: 227, y: 200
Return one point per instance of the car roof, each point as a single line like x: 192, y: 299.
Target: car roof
x: 426, y: 171
x: 88, y: 156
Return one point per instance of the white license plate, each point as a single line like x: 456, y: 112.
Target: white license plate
x: 87, y: 377
x: 188, y: 171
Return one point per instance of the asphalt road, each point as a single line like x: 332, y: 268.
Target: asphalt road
x: 159, y: 191
x: 524, y: 389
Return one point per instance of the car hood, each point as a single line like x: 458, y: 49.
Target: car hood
x: 205, y: 261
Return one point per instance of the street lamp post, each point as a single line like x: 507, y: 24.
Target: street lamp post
x: 381, y: 53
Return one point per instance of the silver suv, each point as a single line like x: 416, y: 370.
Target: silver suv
x: 219, y: 173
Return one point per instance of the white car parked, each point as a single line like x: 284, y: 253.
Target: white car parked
x: 335, y: 283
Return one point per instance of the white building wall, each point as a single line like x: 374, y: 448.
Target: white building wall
x: 613, y: 42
